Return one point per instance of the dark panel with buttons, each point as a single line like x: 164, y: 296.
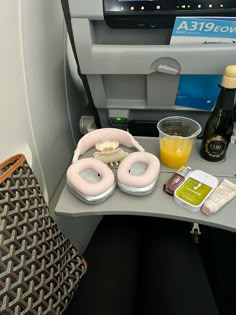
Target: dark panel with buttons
x: 161, y: 13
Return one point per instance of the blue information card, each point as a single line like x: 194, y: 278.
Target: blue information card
x: 198, y: 91
x: 203, y: 30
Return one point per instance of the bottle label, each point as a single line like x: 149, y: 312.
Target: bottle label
x: 216, y: 146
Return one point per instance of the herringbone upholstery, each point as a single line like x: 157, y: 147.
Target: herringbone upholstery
x: 39, y: 268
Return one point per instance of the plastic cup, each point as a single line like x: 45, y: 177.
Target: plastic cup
x: 177, y: 136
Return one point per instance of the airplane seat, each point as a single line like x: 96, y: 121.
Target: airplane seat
x: 130, y: 72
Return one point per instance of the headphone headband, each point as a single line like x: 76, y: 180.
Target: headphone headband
x: 105, y: 134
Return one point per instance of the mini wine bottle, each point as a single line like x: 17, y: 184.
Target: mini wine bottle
x: 219, y: 126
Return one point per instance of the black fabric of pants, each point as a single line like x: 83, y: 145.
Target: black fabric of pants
x: 173, y: 280
x: 109, y: 286
x: 139, y: 265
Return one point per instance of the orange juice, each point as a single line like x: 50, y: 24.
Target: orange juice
x: 175, y: 152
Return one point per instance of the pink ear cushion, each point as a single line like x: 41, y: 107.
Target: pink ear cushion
x: 84, y: 187
x: 147, y: 178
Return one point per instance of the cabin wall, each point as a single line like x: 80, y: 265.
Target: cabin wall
x: 43, y: 41
x: 39, y: 101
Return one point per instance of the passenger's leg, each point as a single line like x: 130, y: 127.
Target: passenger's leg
x: 173, y: 279
x: 109, y: 287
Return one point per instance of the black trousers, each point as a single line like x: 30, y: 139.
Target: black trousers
x: 139, y: 265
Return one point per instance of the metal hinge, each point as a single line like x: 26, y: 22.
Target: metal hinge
x: 196, y: 232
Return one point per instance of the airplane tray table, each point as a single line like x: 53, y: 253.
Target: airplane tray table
x: 158, y: 203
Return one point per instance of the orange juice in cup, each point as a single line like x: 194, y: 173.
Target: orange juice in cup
x: 177, y: 135
x: 175, y: 152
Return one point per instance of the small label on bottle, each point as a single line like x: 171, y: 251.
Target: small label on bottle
x: 216, y: 146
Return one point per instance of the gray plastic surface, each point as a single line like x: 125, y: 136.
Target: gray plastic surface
x: 157, y: 94
x: 158, y: 203
x: 87, y: 8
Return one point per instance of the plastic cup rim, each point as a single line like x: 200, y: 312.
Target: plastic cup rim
x: 194, y: 135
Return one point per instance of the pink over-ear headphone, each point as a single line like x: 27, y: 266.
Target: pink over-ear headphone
x: 93, y: 181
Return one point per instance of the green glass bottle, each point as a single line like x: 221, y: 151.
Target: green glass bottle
x: 219, y: 126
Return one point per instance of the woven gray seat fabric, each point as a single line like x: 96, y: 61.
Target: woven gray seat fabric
x: 39, y: 268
